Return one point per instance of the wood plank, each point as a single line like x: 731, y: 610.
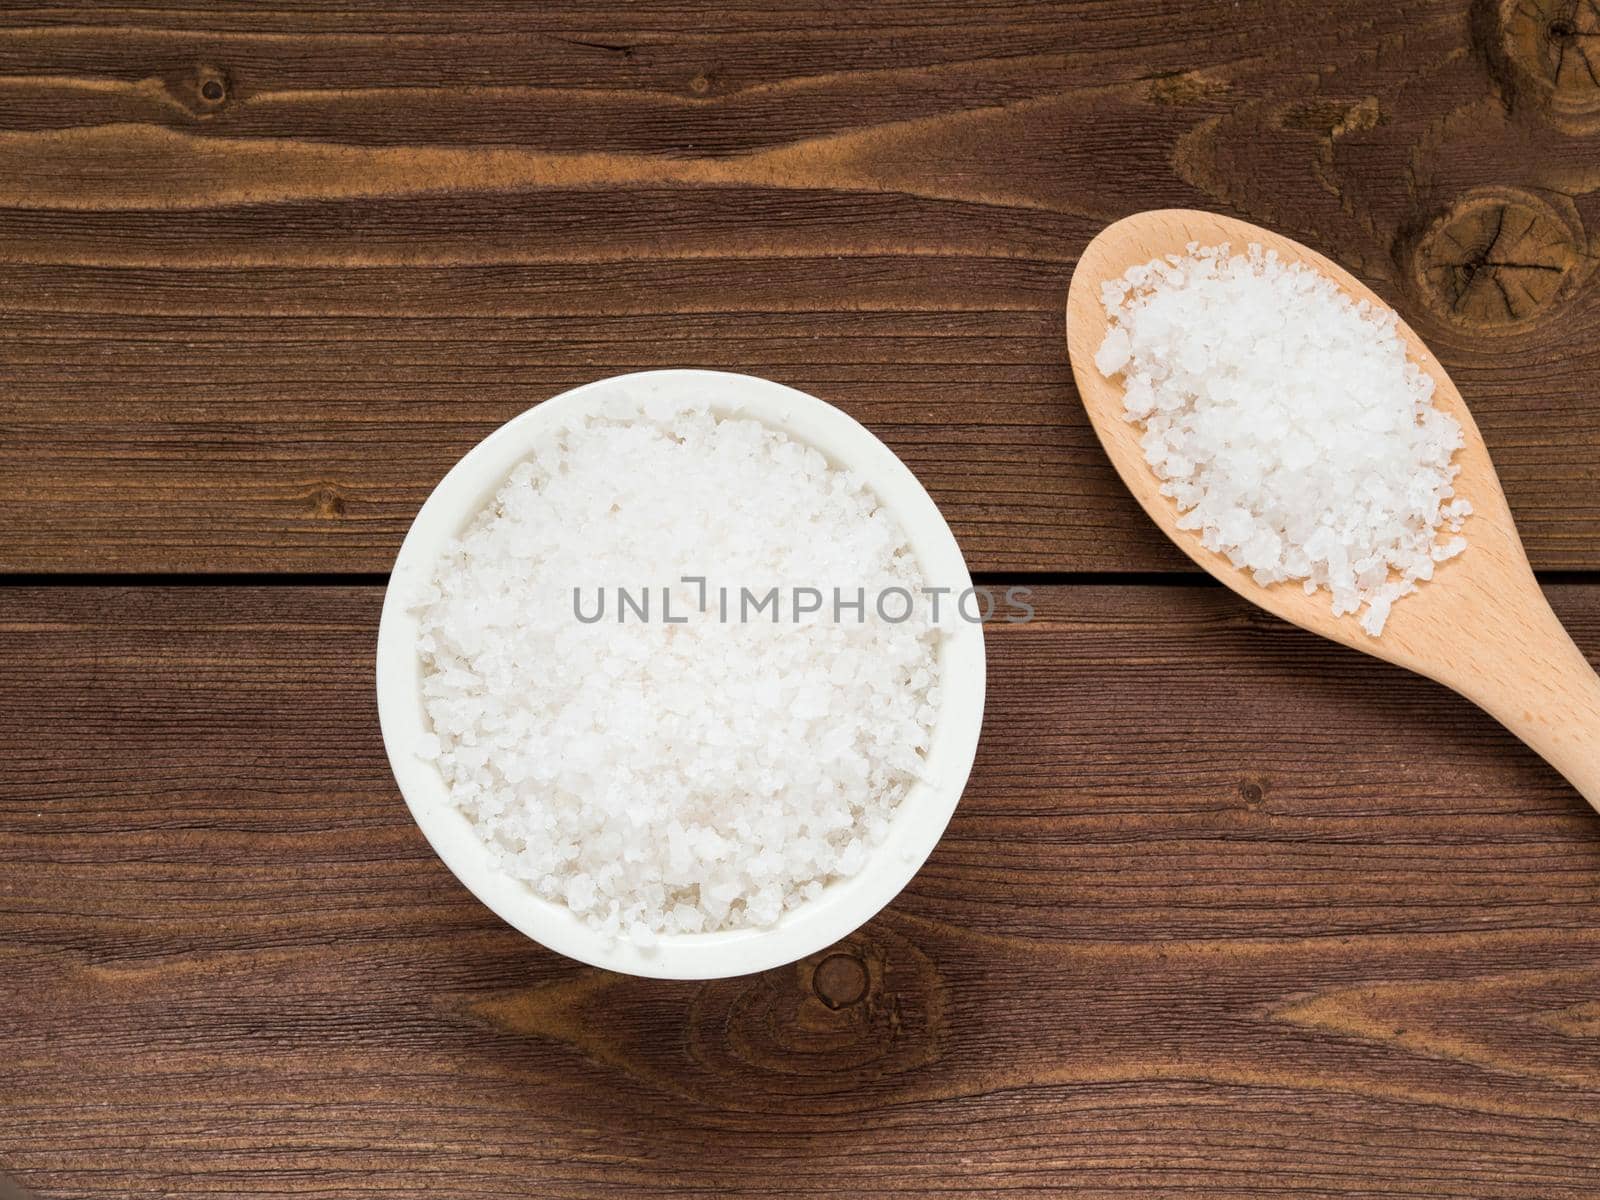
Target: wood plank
x: 1226, y: 911
x: 266, y: 272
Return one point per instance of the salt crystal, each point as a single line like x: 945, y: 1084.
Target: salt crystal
x: 1114, y: 352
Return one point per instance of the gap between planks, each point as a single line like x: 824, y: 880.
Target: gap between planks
x: 314, y: 579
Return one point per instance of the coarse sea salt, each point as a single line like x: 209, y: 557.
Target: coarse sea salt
x: 1288, y: 424
x: 664, y: 778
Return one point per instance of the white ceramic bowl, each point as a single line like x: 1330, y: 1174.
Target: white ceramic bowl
x: 922, y: 815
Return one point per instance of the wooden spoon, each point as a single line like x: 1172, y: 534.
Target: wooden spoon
x: 1480, y: 626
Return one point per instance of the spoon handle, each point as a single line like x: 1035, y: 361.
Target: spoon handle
x: 1531, y: 677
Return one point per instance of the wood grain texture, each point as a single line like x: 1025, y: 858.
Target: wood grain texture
x: 1226, y: 911
x: 266, y: 271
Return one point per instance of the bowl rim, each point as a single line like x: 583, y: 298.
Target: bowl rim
x: 919, y: 820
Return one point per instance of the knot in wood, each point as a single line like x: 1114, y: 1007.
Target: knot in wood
x: 870, y: 1008
x: 211, y: 90
x: 840, y: 980
x: 327, y: 502
x: 1496, y: 259
x: 1552, y: 53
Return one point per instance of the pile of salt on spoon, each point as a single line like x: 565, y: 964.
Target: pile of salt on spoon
x: 1287, y: 423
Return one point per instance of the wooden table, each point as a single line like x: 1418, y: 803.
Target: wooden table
x: 1225, y: 912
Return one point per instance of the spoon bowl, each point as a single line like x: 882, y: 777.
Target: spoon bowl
x: 1480, y: 626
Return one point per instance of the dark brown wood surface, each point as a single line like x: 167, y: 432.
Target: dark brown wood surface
x: 1226, y: 911
x: 266, y: 271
